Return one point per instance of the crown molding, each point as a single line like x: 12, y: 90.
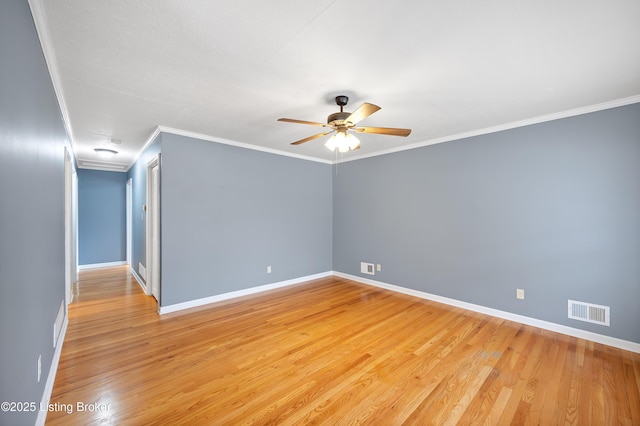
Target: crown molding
x: 44, y: 35
x: 487, y: 130
x: 107, y: 166
x: 209, y: 138
x: 515, y: 124
x: 146, y: 145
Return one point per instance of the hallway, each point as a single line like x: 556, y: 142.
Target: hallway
x: 110, y: 312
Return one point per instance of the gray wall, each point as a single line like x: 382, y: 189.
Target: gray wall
x: 552, y: 208
x: 229, y: 212
x: 102, y: 224
x: 32, y: 140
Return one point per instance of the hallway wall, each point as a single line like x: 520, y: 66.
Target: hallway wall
x: 102, y: 227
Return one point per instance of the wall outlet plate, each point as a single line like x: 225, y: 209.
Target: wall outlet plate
x: 519, y: 293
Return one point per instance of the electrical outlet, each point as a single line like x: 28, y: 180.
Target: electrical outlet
x: 519, y: 293
x: 268, y: 269
x: 378, y: 267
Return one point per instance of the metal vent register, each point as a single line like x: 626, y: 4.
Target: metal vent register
x: 589, y: 312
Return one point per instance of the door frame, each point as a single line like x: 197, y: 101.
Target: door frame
x: 70, y: 226
x: 129, y: 213
x: 152, y: 260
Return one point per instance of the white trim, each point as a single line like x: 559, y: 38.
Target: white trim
x: 146, y: 145
x: 239, y: 293
x: 102, y: 265
x: 506, y: 126
x: 150, y: 260
x: 209, y: 138
x: 570, y: 331
x: 138, y: 279
x: 74, y: 203
x: 493, y: 129
x: 103, y: 165
x: 129, y: 218
x: 44, y: 35
x: 51, y: 377
x: 240, y: 144
x: 68, y: 225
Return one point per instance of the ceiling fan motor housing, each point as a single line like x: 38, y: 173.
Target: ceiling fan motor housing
x: 337, y: 118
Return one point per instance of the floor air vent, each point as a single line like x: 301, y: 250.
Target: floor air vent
x: 57, y: 326
x: 589, y: 312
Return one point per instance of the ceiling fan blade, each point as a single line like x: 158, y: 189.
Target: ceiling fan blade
x: 363, y: 111
x: 383, y: 131
x: 310, y: 138
x: 311, y: 123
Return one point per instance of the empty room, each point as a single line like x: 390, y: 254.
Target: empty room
x: 221, y: 213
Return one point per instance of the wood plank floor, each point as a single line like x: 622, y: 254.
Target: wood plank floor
x: 330, y: 351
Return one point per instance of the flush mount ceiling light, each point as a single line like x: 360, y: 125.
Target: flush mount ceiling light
x: 342, y: 123
x: 105, y: 153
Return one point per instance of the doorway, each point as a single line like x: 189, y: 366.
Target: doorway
x: 153, y: 228
x: 70, y: 225
x: 129, y: 213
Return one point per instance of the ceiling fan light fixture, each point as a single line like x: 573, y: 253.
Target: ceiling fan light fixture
x: 342, y: 141
x: 352, y: 141
x: 105, y: 153
x: 331, y: 143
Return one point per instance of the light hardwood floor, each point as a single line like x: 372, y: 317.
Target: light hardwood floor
x: 330, y: 351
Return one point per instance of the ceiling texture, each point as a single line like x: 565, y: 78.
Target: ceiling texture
x: 226, y: 70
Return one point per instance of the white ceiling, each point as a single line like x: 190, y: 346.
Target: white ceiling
x: 229, y: 69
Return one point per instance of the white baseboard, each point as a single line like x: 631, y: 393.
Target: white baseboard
x: 239, y: 293
x: 102, y: 265
x: 139, y: 280
x: 51, y: 377
x: 562, y: 329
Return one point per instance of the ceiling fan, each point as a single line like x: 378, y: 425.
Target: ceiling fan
x: 343, y: 122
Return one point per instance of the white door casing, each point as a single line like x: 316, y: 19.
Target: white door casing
x: 129, y: 213
x: 153, y: 228
x: 68, y: 228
